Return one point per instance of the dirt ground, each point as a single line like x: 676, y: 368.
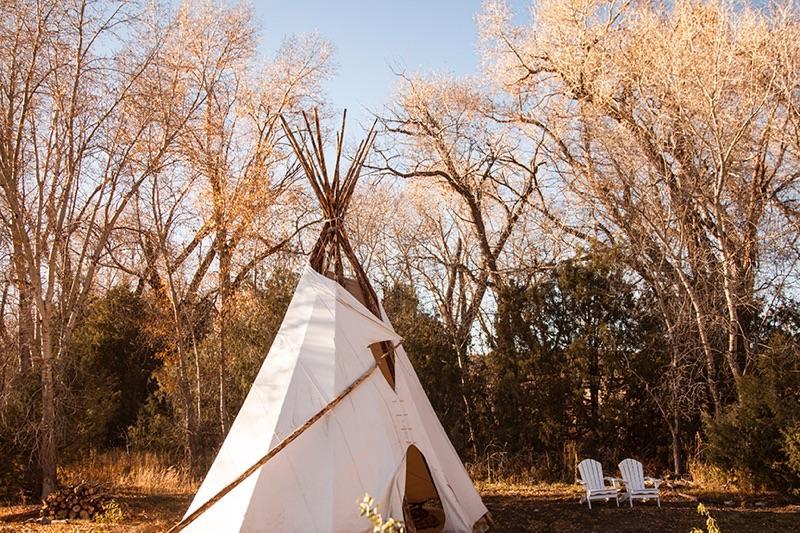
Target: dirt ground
x: 514, y: 508
x: 556, y: 508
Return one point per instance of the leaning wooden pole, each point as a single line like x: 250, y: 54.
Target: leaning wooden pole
x: 281, y: 445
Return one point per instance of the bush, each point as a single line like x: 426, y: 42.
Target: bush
x: 791, y: 447
x: 369, y: 510
x: 711, y: 522
x: 746, y: 438
x: 156, y: 429
x: 758, y: 437
x: 112, y: 513
x: 20, y: 477
x: 109, y: 373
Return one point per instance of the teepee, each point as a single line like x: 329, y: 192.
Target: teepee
x: 336, y: 410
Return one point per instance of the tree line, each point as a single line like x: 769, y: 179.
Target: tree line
x: 590, y: 247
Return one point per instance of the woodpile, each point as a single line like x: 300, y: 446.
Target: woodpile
x: 79, y: 501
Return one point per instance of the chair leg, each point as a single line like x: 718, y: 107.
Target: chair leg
x: 658, y: 501
x: 617, y: 498
x: 630, y: 499
x: 589, y: 501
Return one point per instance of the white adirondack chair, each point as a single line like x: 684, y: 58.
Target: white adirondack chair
x: 634, y: 480
x: 593, y: 482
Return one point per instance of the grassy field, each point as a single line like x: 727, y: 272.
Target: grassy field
x: 513, y: 507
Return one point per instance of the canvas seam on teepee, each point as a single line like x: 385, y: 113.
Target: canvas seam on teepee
x: 290, y: 341
x: 276, y: 436
x: 318, y: 388
x: 344, y: 297
x: 333, y: 415
x: 383, y: 382
x: 350, y: 344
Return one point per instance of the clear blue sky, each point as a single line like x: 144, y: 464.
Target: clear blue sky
x: 373, y: 37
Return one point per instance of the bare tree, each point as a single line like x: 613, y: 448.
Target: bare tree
x: 669, y: 124
x: 443, y: 135
x: 87, y: 118
x: 231, y: 200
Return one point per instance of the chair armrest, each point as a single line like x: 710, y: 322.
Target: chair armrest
x: 581, y: 482
x: 614, y: 480
x: 653, y: 480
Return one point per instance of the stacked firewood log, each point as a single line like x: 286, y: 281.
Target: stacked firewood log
x: 78, y: 501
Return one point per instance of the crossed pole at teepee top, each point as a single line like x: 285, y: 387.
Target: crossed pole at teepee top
x: 334, y: 195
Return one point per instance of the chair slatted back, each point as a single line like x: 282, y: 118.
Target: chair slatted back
x: 591, y: 472
x: 632, y: 473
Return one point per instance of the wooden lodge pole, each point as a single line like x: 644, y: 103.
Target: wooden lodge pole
x: 280, y: 446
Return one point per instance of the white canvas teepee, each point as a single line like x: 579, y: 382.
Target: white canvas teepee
x: 338, y: 400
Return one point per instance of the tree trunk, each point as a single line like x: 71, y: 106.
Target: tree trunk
x: 47, y: 432
x: 729, y: 288
x: 594, y: 376
x: 711, y: 376
x: 26, y: 325
x: 223, y: 251
x: 225, y: 268
x: 700, y: 321
x: 733, y: 330
x: 186, y: 404
x: 465, y: 398
x: 187, y: 434
x: 677, y: 462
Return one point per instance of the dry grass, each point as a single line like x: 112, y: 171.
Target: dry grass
x: 514, y: 507
x: 500, y: 467
x: 153, y: 495
x: 146, y: 473
x: 713, y: 478
x: 141, y: 514
x: 540, y: 490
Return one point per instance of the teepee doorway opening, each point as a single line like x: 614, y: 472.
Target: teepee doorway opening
x: 422, y: 506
